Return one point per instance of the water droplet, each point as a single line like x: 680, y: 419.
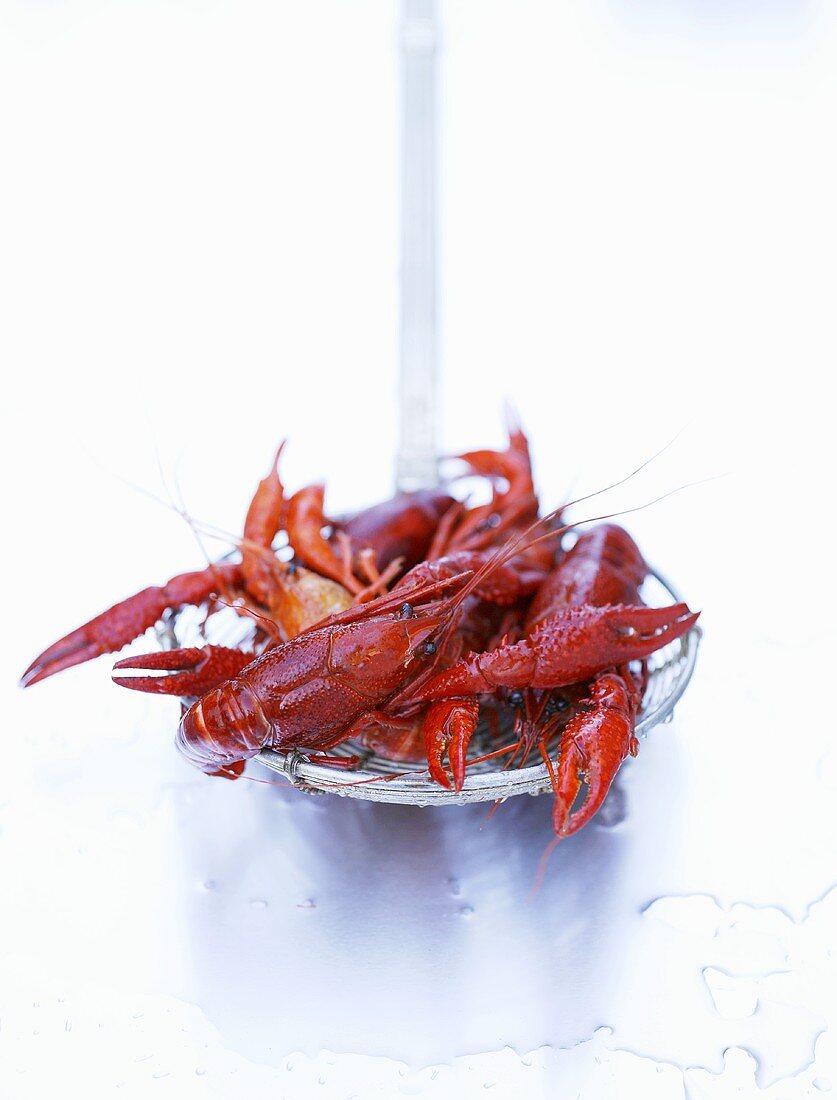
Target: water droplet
x: 68, y: 1026
x: 466, y: 910
x: 309, y: 903
x: 455, y: 888
x: 199, y: 1071
x: 822, y: 1083
x: 695, y: 914
x: 734, y: 998
x: 210, y: 884
x: 258, y: 903
x: 160, y: 1073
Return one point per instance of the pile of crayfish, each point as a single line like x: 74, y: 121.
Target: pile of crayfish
x: 399, y: 626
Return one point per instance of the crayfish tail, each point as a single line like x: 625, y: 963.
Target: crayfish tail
x: 224, y: 728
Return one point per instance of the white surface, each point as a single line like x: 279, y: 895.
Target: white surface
x: 199, y: 256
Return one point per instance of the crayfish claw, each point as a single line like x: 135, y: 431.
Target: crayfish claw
x: 593, y: 746
x: 655, y: 627
x: 436, y: 748
x: 191, y: 671
x: 120, y: 624
x: 172, y: 660
x: 448, y: 727
x: 74, y: 649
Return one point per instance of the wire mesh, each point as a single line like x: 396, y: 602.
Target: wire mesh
x: 381, y: 779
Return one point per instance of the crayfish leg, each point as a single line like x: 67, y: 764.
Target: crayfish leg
x: 231, y: 771
x: 395, y: 737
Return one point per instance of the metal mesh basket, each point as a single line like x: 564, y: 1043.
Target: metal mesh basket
x: 379, y: 779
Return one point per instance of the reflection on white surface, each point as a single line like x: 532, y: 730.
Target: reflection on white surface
x: 639, y: 234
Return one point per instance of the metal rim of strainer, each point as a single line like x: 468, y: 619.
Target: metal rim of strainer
x: 379, y: 779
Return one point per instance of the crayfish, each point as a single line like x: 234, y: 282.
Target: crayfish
x: 399, y: 626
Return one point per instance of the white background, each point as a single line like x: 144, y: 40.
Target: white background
x: 198, y: 258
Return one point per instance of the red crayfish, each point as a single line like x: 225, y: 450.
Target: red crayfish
x: 398, y: 626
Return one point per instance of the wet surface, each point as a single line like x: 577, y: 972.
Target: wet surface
x: 159, y: 911
x: 661, y: 218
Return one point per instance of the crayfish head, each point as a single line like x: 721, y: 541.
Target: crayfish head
x: 378, y: 655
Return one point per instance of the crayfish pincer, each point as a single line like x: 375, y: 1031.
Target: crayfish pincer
x: 403, y: 626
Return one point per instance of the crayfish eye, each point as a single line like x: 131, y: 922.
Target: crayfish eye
x: 516, y: 699
x: 406, y: 611
x: 557, y: 704
x: 429, y: 649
